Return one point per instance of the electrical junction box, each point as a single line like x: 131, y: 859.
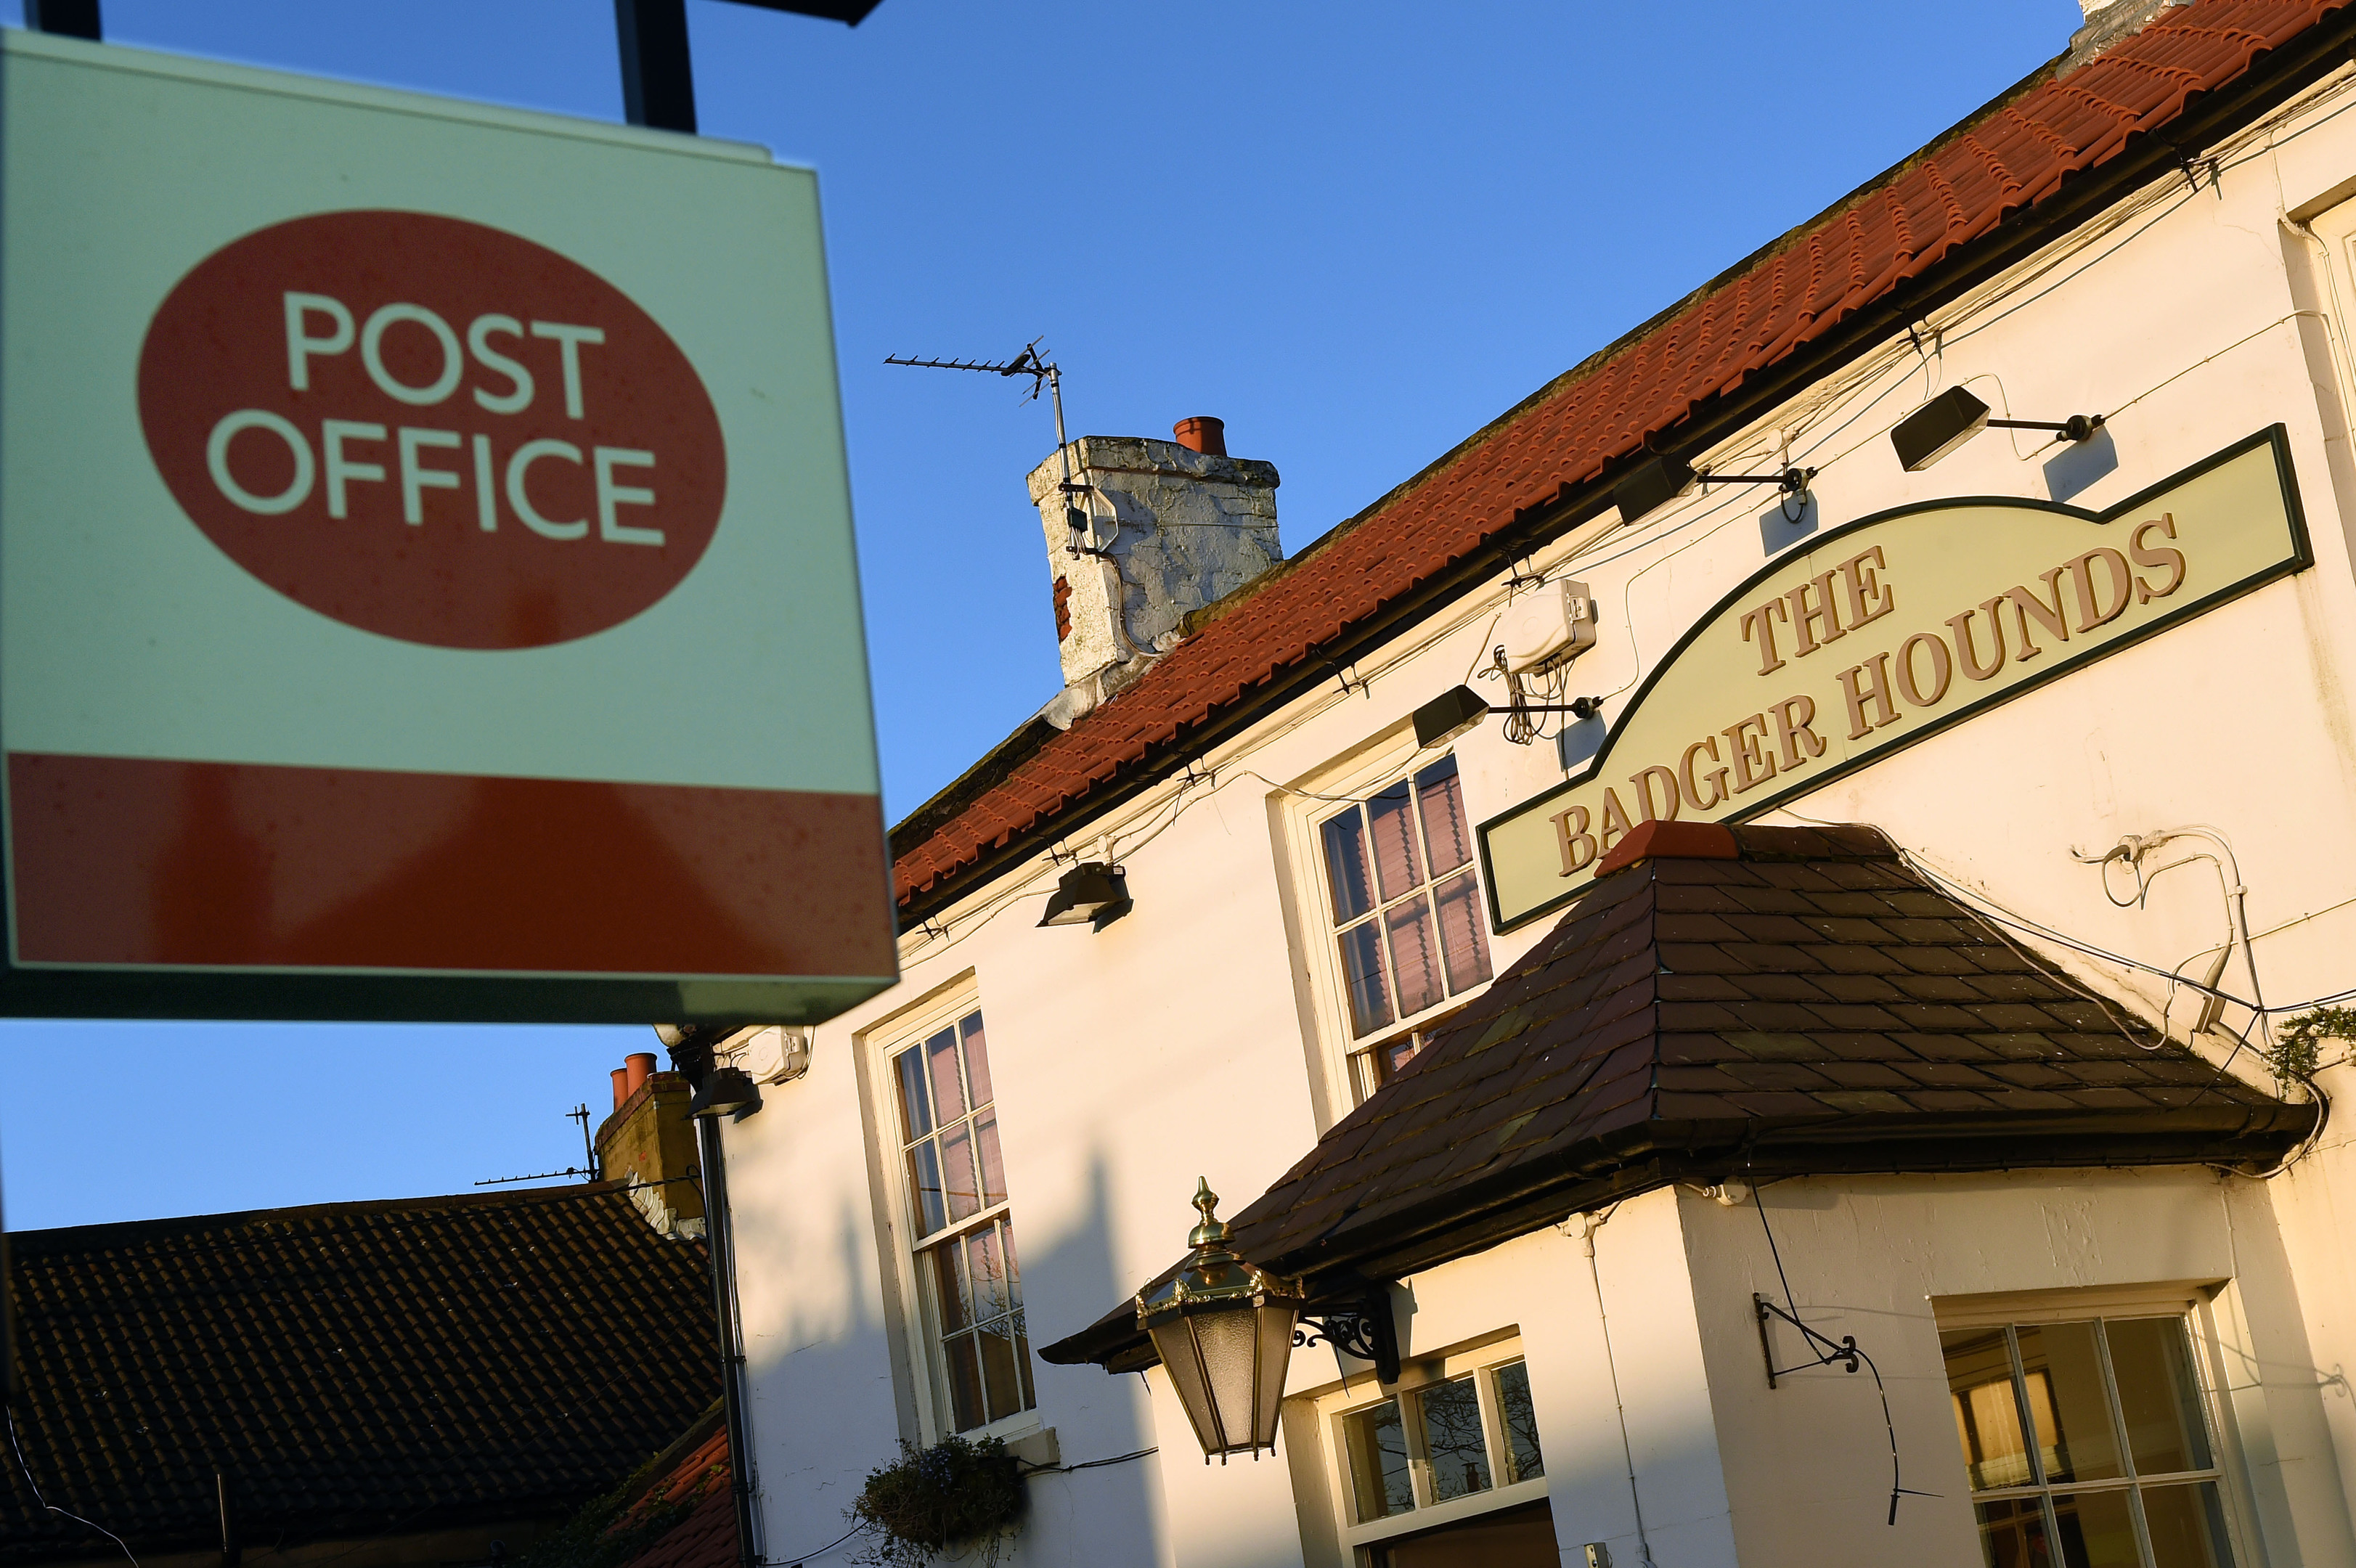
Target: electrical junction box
x: 773, y: 1055
x: 1549, y: 628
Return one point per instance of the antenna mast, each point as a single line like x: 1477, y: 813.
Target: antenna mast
x: 1041, y: 370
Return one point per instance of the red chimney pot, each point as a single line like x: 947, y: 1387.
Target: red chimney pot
x: 621, y: 1086
x: 1203, y: 434
x: 641, y: 1067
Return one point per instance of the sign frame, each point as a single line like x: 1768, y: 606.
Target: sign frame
x: 2274, y: 436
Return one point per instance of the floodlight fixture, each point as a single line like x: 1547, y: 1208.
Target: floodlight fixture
x: 1660, y: 479
x: 725, y: 1092
x: 1956, y: 415
x: 1461, y: 708
x: 1090, y: 894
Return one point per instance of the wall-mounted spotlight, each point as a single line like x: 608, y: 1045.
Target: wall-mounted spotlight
x: 725, y: 1092
x: 1090, y: 894
x: 1453, y: 712
x: 1660, y: 479
x: 1955, y: 416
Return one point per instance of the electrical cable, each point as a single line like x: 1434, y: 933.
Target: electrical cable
x: 1828, y: 1352
x: 18, y: 1450
x: 1087, y: 1464
x: 797, y: 1562
x: 1595, y: 1222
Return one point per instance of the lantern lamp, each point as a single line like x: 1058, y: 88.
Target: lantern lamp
x: 1223, y: 1332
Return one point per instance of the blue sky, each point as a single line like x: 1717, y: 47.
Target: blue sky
x: 1354, y: 230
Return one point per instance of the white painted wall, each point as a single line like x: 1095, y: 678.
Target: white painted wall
x: 1202, y: 1033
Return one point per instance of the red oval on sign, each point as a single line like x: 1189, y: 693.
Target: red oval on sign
x: 432, y: 430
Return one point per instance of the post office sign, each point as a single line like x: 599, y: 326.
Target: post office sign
x: 1889, y: 630
x: 426, y: 581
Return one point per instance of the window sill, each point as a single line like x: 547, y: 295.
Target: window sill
x: 1392, y: 1526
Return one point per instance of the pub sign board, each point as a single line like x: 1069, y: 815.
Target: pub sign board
x: 1885, y: 632
x: 426, y: 580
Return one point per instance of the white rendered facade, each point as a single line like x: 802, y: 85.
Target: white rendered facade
x: 1208, y: 1031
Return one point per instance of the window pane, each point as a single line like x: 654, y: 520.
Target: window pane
x: 993, y: 1164
x: 1346, y: 865
x: 2151, y: 1364
x: 1005, y: 1384
x: 2066, y: 1401
x: 1401, y: 1052
x: 966, y: 1407
x: 2012, y: 1535
x: 915, y: 1121
x: 1520, y: 1420
x: 2187, y: 1526
x: 1362, y: 965
x: 987, y: 1264
x: 956, y: 1172
x: 976, y: 1061
x: 948, y: 1095
x: 1022, y: 1358
x: 2097, y: 1529
x: 1440, y: 802
x: 1464, y: 945
x: 1987, y: 1413
x: 925, y: 1189
x: 1452, y: 1439
x: 1395, y: 859
x: 950, y: 1298
x: 1013, y: 1269
x: 1410, y: 929
x: 1378, y: 1467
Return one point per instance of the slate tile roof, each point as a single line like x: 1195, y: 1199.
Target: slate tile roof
x: 1893, y: 234
x: 1759, y: 1000
x: 357, y: 1368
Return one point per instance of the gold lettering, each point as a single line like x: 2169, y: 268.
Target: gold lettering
x: 1715, y: 778
x: 2162, y: 556
x: 1863, y: 587
x: 1875, y: 691
x: 1642, y: 783
x: 2026, y: 603
x: 1965, y: 648
x: 1769, y: 663
x: 1577, y: 845
x: 1615, y: 820
x: 1806, y: 618
x: 2081, y: 574
x: 1792, y: 717
x: 1943, y: 668
x: 1754, y: 764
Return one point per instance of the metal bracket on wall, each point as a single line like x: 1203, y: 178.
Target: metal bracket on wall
x: 1828, y: 1353
x: 1364, y: 1330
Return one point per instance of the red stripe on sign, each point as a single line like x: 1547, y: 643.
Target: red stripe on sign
x: 122, y: 860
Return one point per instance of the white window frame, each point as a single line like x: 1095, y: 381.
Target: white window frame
x: 1329, y: 1411
x: 1305, y: 805
x: 2191, y: 1302
x: 918, y: 1330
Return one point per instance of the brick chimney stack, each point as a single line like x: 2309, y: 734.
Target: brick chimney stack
x: 1178, y: 524
x: 649, y: 1143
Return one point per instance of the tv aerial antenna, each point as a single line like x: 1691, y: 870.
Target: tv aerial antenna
x: 1043, y: 371
x: 587, y: 1172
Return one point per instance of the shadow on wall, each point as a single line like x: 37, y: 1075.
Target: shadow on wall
x: 1107, y: 1516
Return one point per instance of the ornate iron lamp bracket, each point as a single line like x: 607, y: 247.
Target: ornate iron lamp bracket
x: 1363, y: 1330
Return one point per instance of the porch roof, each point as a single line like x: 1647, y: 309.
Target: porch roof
x: 1734, y: 1003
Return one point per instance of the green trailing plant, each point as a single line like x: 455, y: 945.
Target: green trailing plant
x: 954, y: 1493
x: 2298, y: 1042
x: 604, y: 1534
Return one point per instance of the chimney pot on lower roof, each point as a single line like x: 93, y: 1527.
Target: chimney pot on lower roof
x: 1202, y: 433
x: 640, y: 1065
x: 621, y: 1086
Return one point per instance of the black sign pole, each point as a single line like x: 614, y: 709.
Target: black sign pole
x: 658, y: 81
x: 74, y: 19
